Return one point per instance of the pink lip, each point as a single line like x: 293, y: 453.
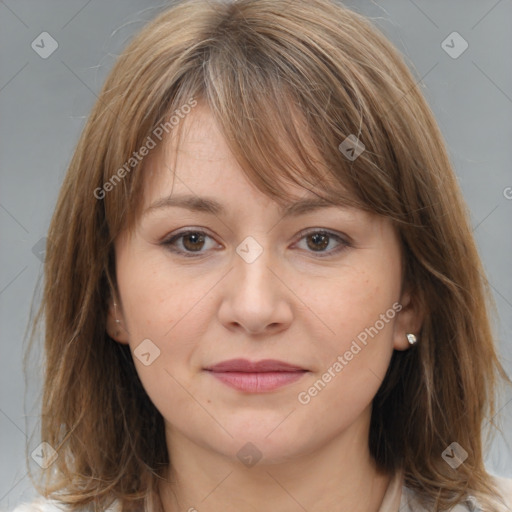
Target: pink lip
x: 254, y: 377
x: 243, y: 365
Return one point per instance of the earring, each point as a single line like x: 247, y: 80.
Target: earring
x: 118, y: 331
x: 115, y: 314
x: 411, y: 339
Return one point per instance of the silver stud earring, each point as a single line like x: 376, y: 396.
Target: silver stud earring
x: 411, y: 339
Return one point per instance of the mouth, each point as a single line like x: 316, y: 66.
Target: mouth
x: 256, y: 377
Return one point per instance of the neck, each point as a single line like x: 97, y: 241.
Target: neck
x: 339, y: 476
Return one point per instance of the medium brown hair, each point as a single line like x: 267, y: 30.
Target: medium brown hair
x: 280, y: 77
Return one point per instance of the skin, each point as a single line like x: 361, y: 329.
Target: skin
x: 290, y: 304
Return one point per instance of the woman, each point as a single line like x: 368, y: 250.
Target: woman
x: 262, y: 289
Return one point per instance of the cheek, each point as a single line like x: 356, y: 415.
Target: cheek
x: 353, y: 360
x: 156, y: 301
x: 357, y: 301
x: 162, y: 307
x: 358, y: 312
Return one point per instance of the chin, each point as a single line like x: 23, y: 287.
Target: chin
x: 271, y: 442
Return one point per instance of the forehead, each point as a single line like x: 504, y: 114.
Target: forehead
x: 197, y: 157
x: 206, y: 178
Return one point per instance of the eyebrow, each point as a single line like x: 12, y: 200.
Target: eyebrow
x: 212, y: 206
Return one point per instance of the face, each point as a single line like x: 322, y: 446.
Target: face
x: 318, y: 290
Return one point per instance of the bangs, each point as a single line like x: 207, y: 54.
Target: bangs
x: 269, y: 136
x: 284, y: 107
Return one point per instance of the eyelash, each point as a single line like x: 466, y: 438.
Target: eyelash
x: 169, y: 243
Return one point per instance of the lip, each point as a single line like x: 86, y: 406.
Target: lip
x: 244, y: 365
x: 256, y: 377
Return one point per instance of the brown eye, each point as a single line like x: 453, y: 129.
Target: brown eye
x: 319, y: 241
x: 193, y: 241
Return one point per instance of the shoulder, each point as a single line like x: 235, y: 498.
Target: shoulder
x: 505, y: 488
x: 409, y: 501
x: 42, y: 504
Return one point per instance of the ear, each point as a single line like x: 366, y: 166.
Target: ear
x: 116, y: 325
x: 409, y: 320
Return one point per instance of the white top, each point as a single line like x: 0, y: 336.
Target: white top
x: 397, y: 498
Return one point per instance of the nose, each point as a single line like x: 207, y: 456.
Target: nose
x: 256, y: 298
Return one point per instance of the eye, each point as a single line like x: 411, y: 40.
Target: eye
x: 191, y: 241
x: 318, y: 240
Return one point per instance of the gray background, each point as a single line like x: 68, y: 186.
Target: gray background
x: 44, y: 104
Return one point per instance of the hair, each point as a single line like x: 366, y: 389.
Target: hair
x: 287, y: 82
